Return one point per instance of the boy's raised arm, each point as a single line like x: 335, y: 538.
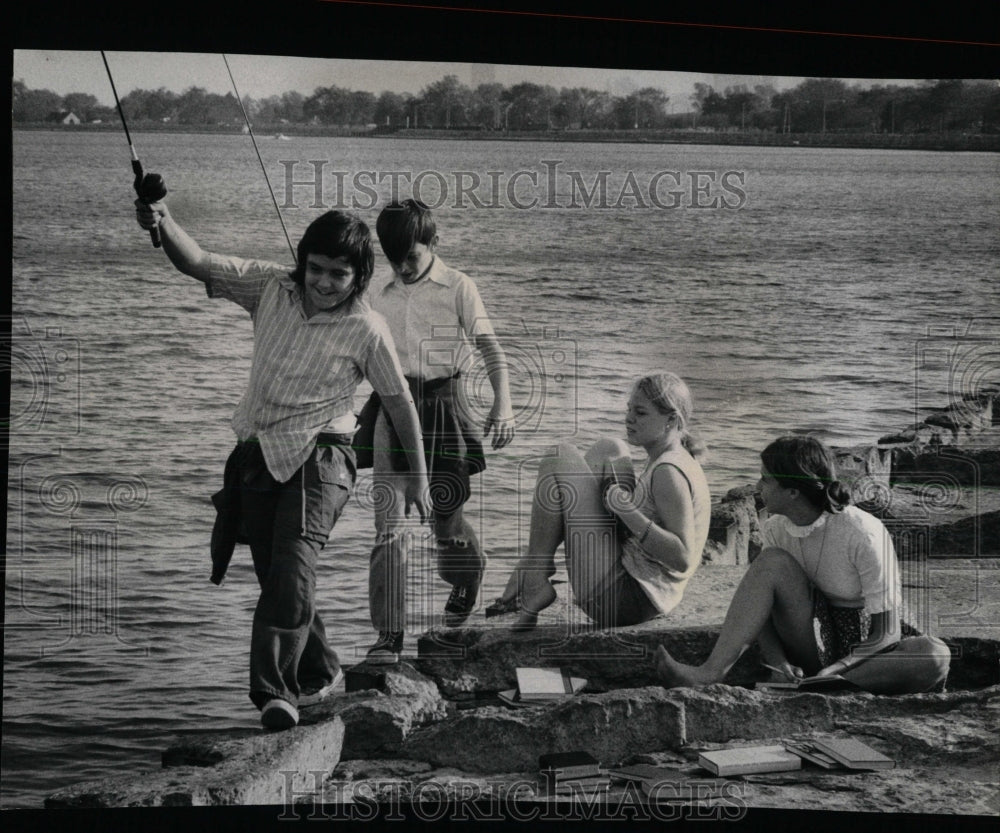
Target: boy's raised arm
x: 501, y: 417
x: 182, y: 250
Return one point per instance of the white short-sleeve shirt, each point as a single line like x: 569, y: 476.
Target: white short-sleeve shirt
x: 848, y: 555
x: 433, y: 321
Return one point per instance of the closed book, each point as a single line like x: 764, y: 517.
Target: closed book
x: 853, y: 753
x: 745, y: 760
x: 546, y: 683
x: 578, y: 785
x: 562, y: 766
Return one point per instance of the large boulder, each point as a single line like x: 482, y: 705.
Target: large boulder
x: 222, y: 768
x: 388, y: 704
x: 734, y: 531
x: 610, y: 726
x: 862, y: 462
x: 466, y: 660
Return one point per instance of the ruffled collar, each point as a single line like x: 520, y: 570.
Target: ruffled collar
x: 798, y: 531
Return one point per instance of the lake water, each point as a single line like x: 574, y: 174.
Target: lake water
x: 832, y: 291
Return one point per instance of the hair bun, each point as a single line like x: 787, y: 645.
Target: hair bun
x: 837, y: 495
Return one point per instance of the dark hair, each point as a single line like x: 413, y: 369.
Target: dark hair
x: 339, y: 234
x: 670, y: 395
x: 402, y: 224
x: 805, y: 464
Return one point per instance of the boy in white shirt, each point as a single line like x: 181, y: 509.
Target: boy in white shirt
x: 436, y: 318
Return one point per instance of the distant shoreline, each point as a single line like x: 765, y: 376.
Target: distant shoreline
x: 866, y: 141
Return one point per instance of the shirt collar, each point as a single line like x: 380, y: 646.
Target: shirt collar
x: 798, y: 531
x: 435, y: 273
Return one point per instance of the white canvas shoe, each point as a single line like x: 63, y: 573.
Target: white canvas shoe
x: 312, y: 696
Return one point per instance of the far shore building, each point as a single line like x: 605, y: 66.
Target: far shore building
x: 64, y: 117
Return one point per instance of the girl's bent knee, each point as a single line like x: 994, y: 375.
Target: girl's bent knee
x: 608, y: 448
x: 774, y: 558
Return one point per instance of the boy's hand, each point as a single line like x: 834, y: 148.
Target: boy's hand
x: 149, y: 216
x: 417, y: 494
x: 501, y: 422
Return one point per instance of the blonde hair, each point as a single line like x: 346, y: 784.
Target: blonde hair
x: 669, y: 394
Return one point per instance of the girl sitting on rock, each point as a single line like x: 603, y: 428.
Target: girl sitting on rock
x: 824, y: 596
x: 629, y: 553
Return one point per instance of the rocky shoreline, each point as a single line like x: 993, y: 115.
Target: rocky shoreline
x: 431, y: 730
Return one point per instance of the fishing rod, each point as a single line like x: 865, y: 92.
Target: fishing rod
x: 148, y: 187
x: 246, y: 118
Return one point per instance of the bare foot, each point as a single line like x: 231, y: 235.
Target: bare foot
x: 531, y: 601
x: 674, y: 674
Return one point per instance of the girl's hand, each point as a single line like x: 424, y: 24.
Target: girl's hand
x: 618, y: 500
x: 784, y: 672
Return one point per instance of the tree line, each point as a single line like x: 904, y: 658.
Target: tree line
x: 814, y: 106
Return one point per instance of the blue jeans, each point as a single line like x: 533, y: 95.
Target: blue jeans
x: 286, y: 525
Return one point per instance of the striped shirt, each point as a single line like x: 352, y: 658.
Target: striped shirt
x: 304, y: 372
x: 433, y: 320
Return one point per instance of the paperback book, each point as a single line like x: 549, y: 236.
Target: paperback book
x: 747, y: 760
x: 853, y: 754
x: 546, y: 684
x: 832, y: 682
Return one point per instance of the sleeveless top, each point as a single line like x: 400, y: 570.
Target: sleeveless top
x: 663, y: 585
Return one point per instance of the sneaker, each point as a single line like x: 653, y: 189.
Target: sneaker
x: 311, y: 696
x: 460, y: 604
x: 387, y: 649
x: 279, y: 714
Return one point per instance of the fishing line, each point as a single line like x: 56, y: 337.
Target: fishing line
x: 246, y: 118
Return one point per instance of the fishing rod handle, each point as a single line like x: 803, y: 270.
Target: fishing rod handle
x: 150, y: 188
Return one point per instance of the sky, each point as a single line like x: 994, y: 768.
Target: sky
x: 259, y: 76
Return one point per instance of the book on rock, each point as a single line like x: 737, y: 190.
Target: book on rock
x: 541, y: 685
x: 565, y: 773
x: 546, y: 683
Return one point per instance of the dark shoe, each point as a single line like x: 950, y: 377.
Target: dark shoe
x: 312, y: 696
x: 387, y: 649
x: 501, y: 607
x: 279, y: 714
x: 460, y: 604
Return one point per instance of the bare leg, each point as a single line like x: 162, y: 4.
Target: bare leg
x: 917, y: 664
x: 567, y: 494
x: 773, y: 590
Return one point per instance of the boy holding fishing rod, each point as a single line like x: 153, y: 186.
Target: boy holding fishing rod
x: 293, y: 468
x: 436, y: 317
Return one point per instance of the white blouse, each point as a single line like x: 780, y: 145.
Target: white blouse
x: 848, y: 555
